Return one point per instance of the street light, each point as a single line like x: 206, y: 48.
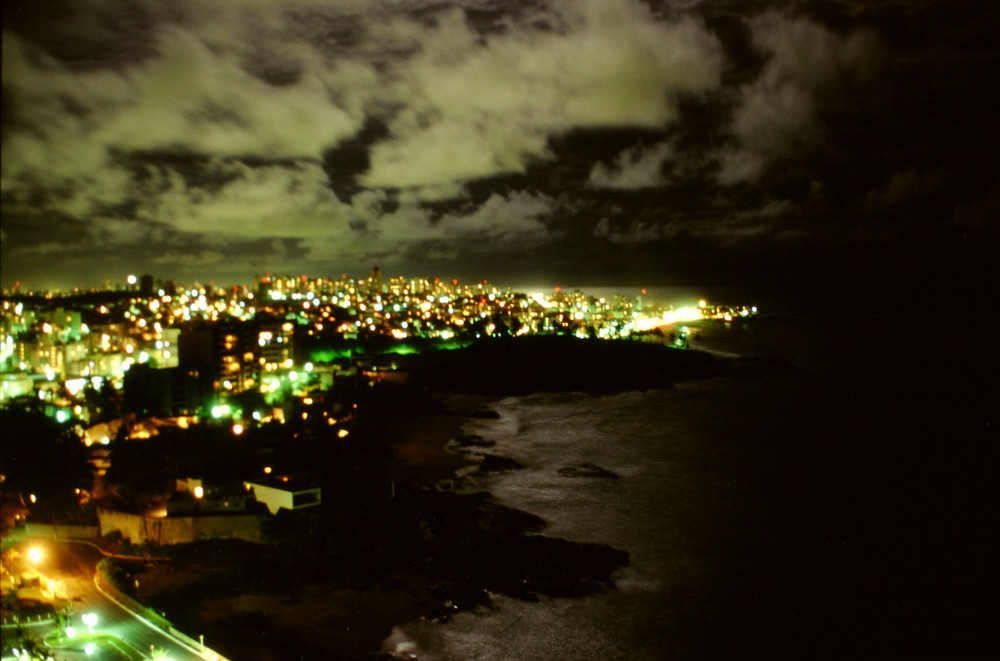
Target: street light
x: 90, y: 619
x: 35, y: 555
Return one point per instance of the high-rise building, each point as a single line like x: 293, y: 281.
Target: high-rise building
x: 375, y: 280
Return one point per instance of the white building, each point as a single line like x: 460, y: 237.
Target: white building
x: 284, y: 492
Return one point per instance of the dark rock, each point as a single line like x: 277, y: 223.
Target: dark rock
x: 494, y: 463
x: 587, y: 470
x: 484, y: 413
x: 473, y: 441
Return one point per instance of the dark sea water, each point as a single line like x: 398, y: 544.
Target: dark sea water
x: 841, y: 512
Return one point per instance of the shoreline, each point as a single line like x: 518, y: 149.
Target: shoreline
x: 350, y: 577
x: 421, y: 456
x: 426, y: 554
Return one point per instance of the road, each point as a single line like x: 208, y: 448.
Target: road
x: 74, y: 564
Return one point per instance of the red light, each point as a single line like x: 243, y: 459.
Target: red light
x: 558, y: 289
x: 454, y: 281
x: 643, y: 292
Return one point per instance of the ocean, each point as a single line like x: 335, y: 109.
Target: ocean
x: 836, y: 512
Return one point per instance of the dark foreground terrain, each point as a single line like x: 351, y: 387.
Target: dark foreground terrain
x: 338, y: 591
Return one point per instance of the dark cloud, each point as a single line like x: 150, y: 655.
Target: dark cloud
x: 626, y: 139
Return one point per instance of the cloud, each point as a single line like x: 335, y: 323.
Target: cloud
x: 633, y: 169
x: 770, y: 209
x: 778, y: 115
x: 635, y: 232
x: 502, y: 220
x: 186, y: 98
x: 479, y: 105
x: 292, y: 200
x: 187, y: 259
x: 277, y: 87
x: 325, y: 134
x: 904, y: 187
x: 193, y: 99
x: 75, y: 140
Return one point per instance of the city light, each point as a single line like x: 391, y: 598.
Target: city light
x: 34, y: 555
x: 256, y: 353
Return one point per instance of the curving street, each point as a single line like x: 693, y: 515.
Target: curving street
x: 74, y: 565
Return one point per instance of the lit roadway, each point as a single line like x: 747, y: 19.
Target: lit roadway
x: 75, y: 564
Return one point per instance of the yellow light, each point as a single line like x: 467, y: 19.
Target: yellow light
x: 342, y: 433
x: 199, y: 492
x: 237, y: 429
x: 35, y: 555
x: 267, y: 469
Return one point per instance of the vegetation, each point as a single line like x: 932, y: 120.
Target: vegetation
x: 44, y: 459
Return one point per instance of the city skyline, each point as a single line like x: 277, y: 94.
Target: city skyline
x: 592, y: 143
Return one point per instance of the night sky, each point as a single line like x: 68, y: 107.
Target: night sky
x: 593, y: 142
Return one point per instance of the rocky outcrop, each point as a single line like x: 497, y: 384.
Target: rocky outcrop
x: 587, y: 470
